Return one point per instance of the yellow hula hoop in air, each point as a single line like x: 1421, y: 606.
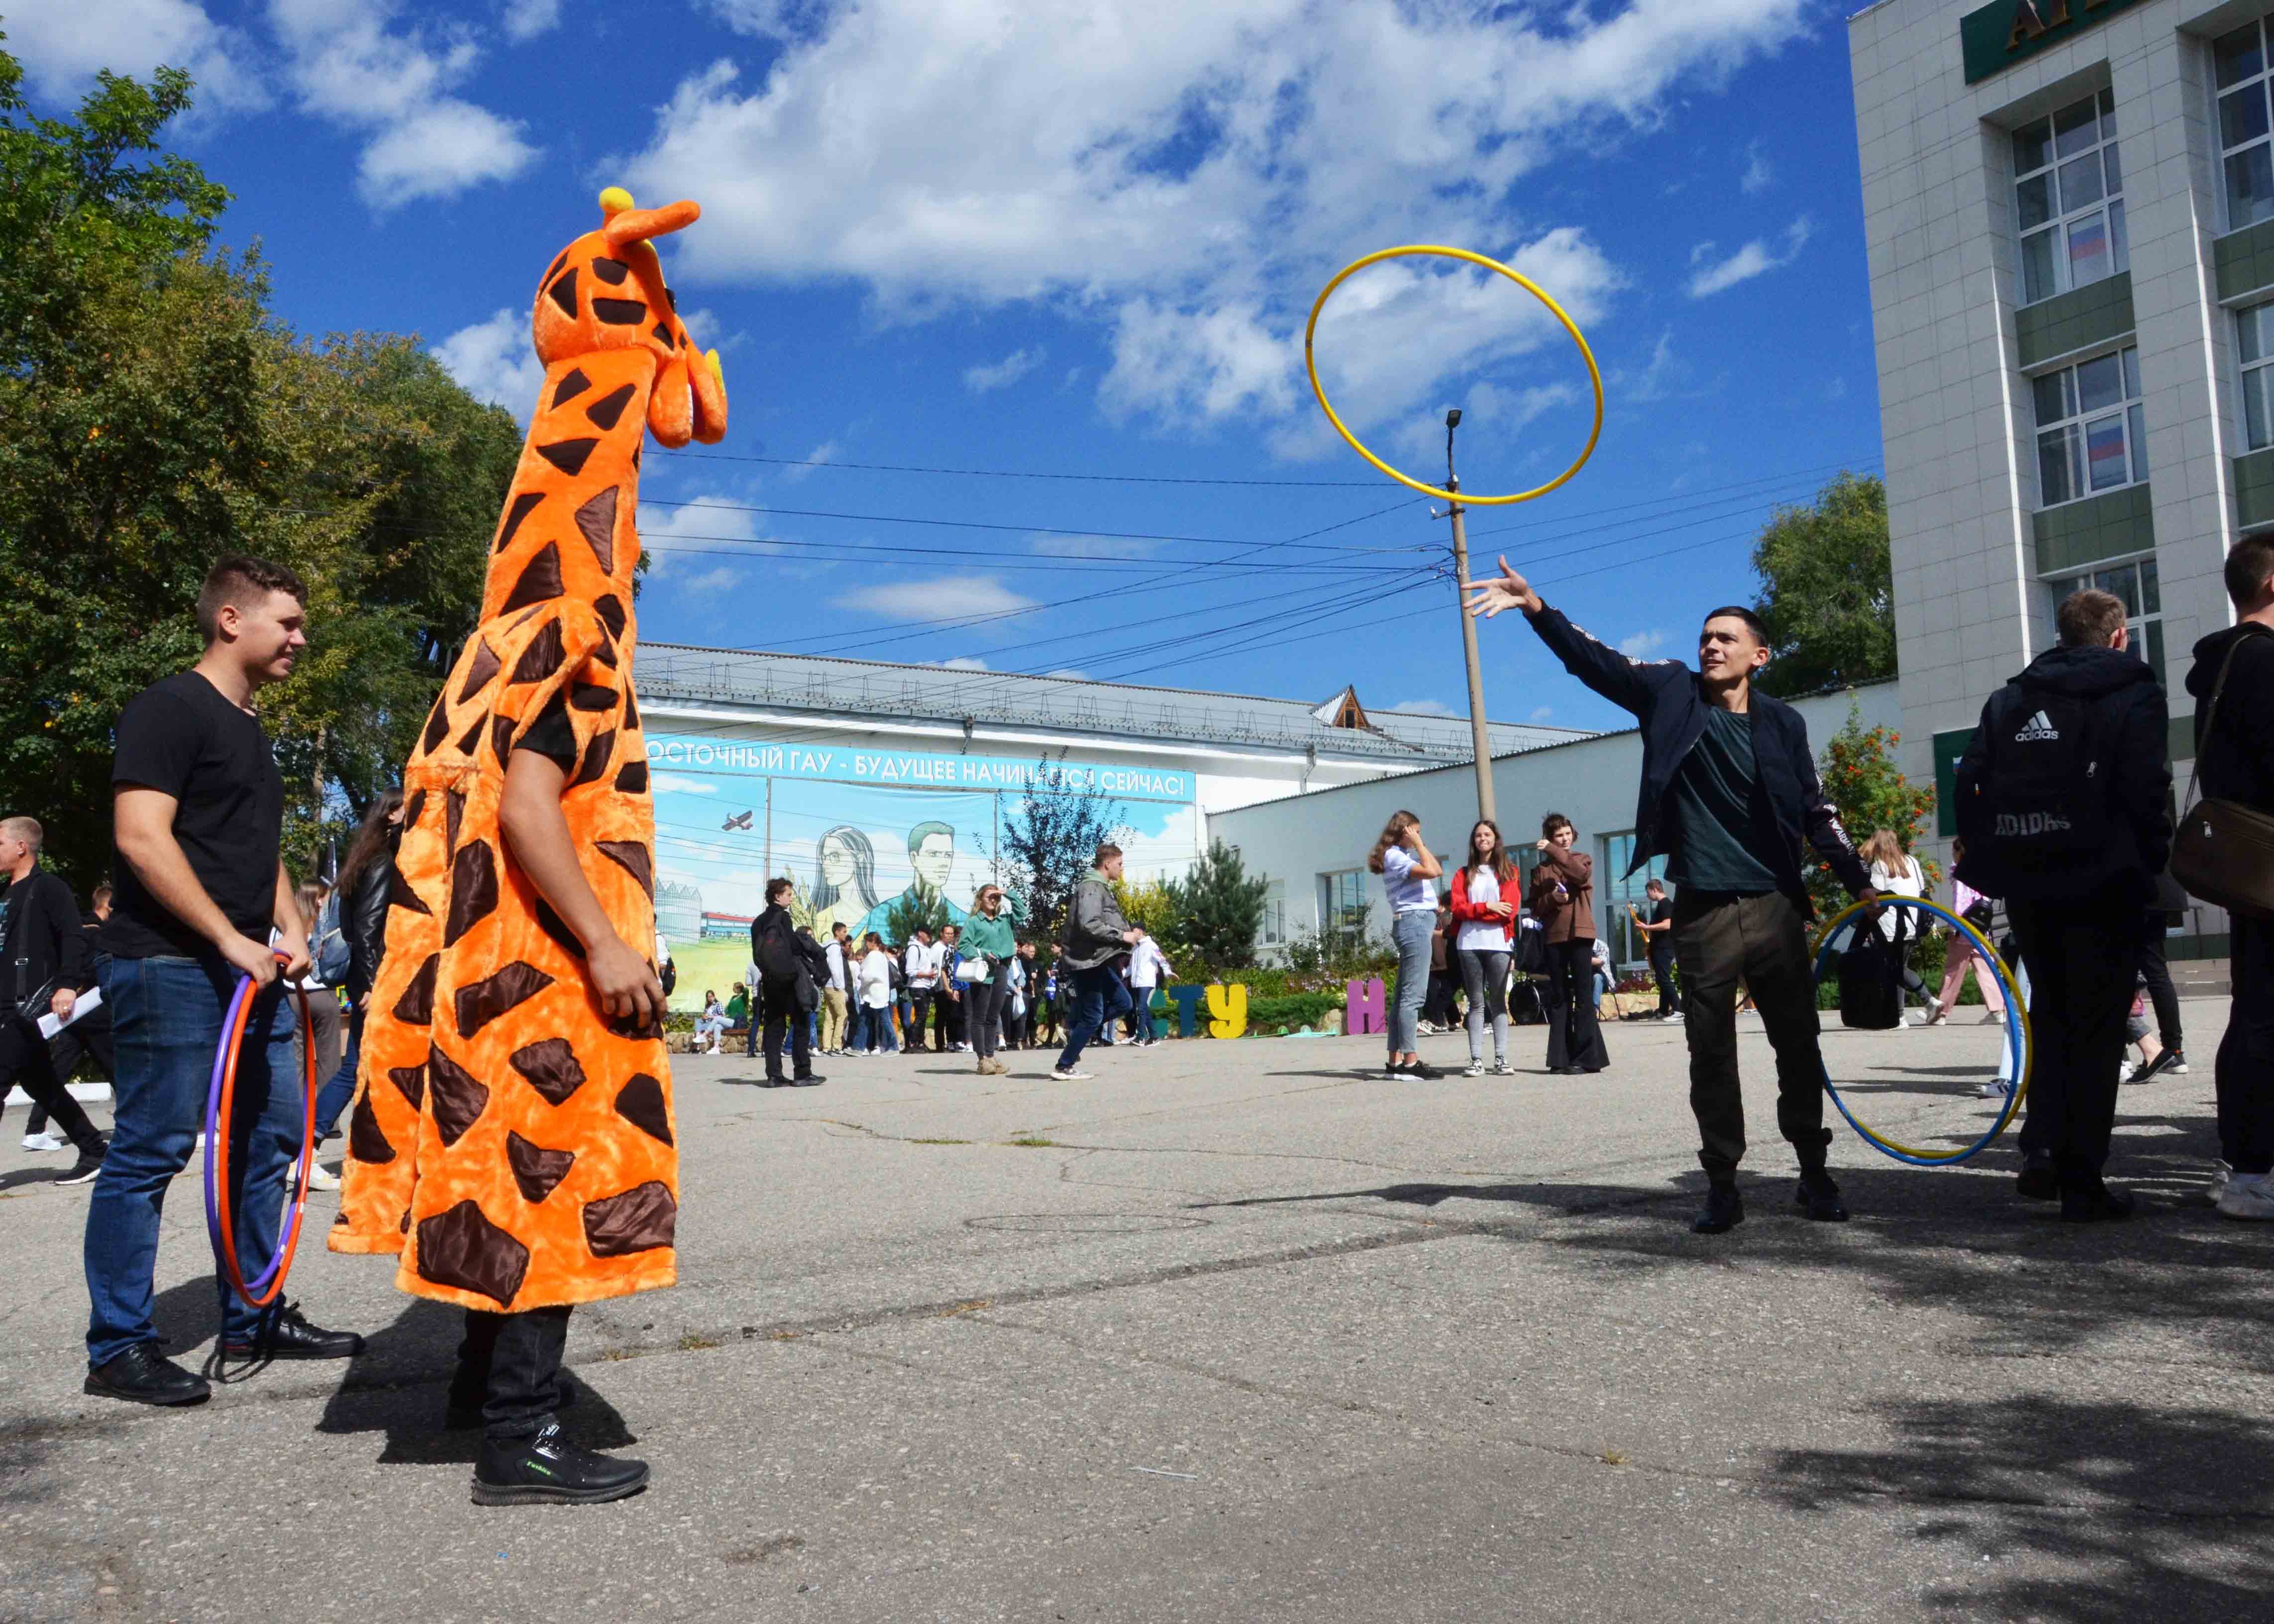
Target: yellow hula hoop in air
x: 2021, y: 1037
x: 1594, y: 373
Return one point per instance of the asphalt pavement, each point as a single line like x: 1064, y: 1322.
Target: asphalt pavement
x: 1238, y: 1330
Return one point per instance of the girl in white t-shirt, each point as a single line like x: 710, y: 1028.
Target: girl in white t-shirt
x: 1485, y: 902
x: 1406, y: 868
x: 1895, y: 872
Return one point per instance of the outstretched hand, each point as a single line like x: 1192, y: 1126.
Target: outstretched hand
x: 1487, y: 598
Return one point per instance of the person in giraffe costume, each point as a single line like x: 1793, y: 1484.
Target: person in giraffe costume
x: 511, y: 1138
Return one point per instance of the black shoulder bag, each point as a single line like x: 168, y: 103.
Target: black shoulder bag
x: 2224, y: 851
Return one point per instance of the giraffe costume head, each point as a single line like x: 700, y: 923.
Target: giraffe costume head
x: 512, y: 1143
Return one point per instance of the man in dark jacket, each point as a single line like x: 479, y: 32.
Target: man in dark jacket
x: 44, y: 968
x: 2063, y: 801
x: 792, y: 966
x: 2236, y: 762
x: 1729, y: 792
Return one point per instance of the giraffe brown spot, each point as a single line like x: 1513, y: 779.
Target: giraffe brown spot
x: 411, y: 1080
x: 471, y: 744
x: 403, y: 1224
x: 640, y: 1218
x: 412, y: 807
x: 399, y: 895
x: 537, y: 1171
x: 463, y: 1249
x: 592, y: 696
x: 596, y: 757
x: 642, y: 1104
x: 479, y: 669
x: 365, y: 1143
x: 454, y: 810
x: 611, y: 272
x: 608, y: 410
x: 438, y: 723
x: 573, y: 383
x: 459, y: 1097
x: 633, y: 1027
x: 416, y: 1006
x: 473, y: 890
x: 632, y: 780
x: 663, y: 333
x: 551, y: 270
x: 501, y: 737
x: 543, y: 656
x: 671, y: 298
x: 518, y: 510
x: 606, y: 655
x: 633, y: 858
x: 568, y: 455
x: 620, y: 312
x: 553, y: 925
x: 493, y: 995
x: 550, y: 1066
x: 597, y: 519
x: 564, y: 292
x: 610, y: 608
x: 539, y: 581
x: 631, y: 709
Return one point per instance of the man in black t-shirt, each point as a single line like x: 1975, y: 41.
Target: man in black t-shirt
x: 197, y: 807
x: 1656, y: 918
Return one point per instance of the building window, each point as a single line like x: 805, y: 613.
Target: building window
x: 1342, y: 903
x: 1275, y: 914
x: 2143, y: 603
x: 2069, y: 199
x: 1621, y: 892
x: 2238, y: 60
x: 2255, y: 330
x: 2091, y: 435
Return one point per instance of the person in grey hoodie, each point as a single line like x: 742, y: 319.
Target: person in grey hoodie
x: 1096, y: 935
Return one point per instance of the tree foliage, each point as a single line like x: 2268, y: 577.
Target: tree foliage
x: 1048, y: 842
x: 920, y: 908
x: 1862, y: 780
x: 154, y: 415
x: 1220, y: 912
x: 1827, y: 589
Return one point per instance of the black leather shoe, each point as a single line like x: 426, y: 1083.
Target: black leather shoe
x: 142, y: 1375
x: 526, y: 1472
x: 2038, y: 1182
x: 288, y: 1336
x: 1724, y: 1211
x: 1818, y: 1197
x: 775, y: 1082
x: 2094, y: 1203
x: 808, y: 1081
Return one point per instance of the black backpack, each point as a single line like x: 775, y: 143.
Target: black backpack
x: 2040, y: 799
x: 778, y: 957
x: 1871, y: 980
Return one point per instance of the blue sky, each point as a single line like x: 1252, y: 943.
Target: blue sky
x: 1081, y: 239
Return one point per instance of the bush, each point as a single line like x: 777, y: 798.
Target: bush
x: 1290, y: 1012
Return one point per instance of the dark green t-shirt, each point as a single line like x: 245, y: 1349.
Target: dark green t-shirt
x: 1711, y: 801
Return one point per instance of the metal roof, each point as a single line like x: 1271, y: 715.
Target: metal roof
x: 875, y: 689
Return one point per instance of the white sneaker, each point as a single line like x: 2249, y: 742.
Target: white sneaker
x: 2220, y: 1173
x: 1475, y: 1068
x: 1938, y: 1019
x: 1501, y: 1068
x: 2247, y: 1195
x: 321, y: 1177
x: 2178, y: 1065
x: 1991, y: 1090
x: 1061, y: 1074
x: 50, y: 1140
x: 2127, y: 1069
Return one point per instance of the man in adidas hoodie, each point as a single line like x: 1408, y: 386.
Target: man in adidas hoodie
x: 2063, y: 802
x: 2236, y: 762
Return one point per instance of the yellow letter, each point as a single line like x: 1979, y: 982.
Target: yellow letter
x: 1227, y: 1011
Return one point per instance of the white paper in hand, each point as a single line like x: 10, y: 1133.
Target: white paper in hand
x: 50, y: 1023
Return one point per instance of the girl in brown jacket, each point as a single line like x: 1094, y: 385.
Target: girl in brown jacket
x: 1564, y: 902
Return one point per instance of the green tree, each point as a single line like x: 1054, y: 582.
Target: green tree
x: 1048, y: 842
x: 919, y: 908
x: 1220, y: 911
x: 1861, y: 778
x: 1827, y: 589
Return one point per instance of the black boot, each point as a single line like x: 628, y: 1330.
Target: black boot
x: 524, y: 1472
x: 1818, y: 1196
x: 288, y: 1334
x: 2038, y: 1182
x: 1724, y: 1211
x: 142, y: 1375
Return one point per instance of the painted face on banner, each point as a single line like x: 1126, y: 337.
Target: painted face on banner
x: 935, y: 856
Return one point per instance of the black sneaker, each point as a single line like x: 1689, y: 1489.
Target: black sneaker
x: 1818, y: 1197
x: 2094, y: 1203
x: 527, y: 1472
x: 142, y: 1375
x: 89, y: 1164
x: 2038, y: 1182
x: 1422, y: 1070
x: 287, y: 1334
x: 2169, y: 1060
x: 1724, y: 1211
x: 811, y: 1079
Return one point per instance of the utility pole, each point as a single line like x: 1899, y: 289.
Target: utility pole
x: 1480, y: 740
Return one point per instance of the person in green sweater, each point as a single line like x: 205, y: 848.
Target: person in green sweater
x: 986, y: 943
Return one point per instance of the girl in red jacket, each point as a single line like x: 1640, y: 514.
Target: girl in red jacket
x: 1485, y: 900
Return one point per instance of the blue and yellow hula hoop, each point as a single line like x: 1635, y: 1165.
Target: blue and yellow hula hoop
x: 2019, y: 1045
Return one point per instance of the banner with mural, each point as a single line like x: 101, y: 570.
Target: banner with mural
x: 855, y: 827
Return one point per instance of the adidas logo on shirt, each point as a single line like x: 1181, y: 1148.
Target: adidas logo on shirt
x: 2040, y: 730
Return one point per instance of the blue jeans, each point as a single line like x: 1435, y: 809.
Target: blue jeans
x: 872, y: 1031
x: 166, y: 1016
x: 339, y: 1087
x: 1142, y: 998
x: 1098, y: 997
x: 1411, y: 931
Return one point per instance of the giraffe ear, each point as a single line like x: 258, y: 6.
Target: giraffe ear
x: 671, y: 404
x: 709, y: 386
x: 638, y: 225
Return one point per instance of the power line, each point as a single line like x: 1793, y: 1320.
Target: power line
x: 974, y: 525
x: 1007, y: 473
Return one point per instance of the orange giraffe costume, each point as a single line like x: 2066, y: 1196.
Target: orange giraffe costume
x: 511, y: 1141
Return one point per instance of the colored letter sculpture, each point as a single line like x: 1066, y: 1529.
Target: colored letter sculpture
x: 512, y: 1143
x: 1183, y: 998
x: 1365, y: 1008
x: 1227, y: 1011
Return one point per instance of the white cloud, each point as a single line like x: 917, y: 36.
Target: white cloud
x: 946, y: 598
x: 1185, y: 172
x: 63, y: 46
x: 826, y: 452
x: 1426, y: 707
x: 965, y: 662
x: 1109, y: 547
x: 1070, y: 673
x: 1003, y: 373
x: 348, y: 65
x: 1541, y: 713
x: 668, y: 783
x: 526, y: 19
x: 706, y: 328
x: 1710, y: 275
x: 1659, y: 375
x: 1642, y: 646
x: 1759, y: 176
x: 712, y: 521
x: 495, y: 361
